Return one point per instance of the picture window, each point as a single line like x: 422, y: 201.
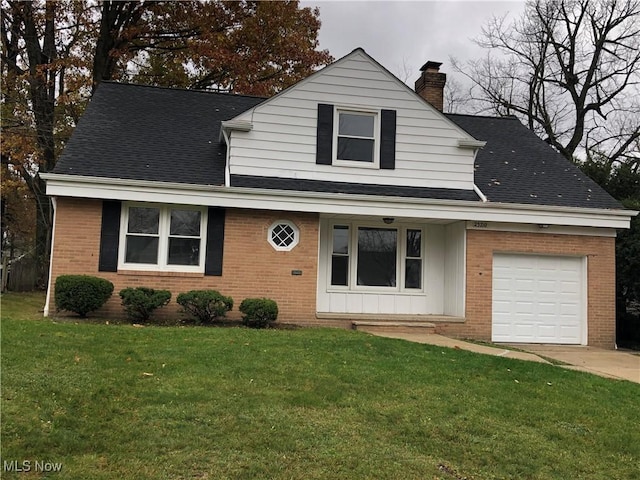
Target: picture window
x: 375, y: 257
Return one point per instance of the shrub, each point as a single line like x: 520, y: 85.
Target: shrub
x: 205, y: 305
x: 258, y: 312
x: 82, y: 293
x: 140, y: 302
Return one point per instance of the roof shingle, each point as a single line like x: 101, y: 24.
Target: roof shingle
x: 168, y: 135
x: 516, y: 166
x: 148, y: 133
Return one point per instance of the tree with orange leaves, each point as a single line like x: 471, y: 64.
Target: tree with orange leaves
x: 54, y: 54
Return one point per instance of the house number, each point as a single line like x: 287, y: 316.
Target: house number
x: 480, y: 224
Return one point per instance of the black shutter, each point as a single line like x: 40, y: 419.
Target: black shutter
x: 109, y: 236
x: 215, y: 241
x: 388, y: 140
x: 324, y: 140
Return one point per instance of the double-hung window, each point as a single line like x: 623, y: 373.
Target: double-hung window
x: 356, y: 137
x: 163, y: 238
x: 353, y: 137
x: 375, y: 257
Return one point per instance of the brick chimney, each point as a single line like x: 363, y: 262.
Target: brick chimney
x: 430, y: 85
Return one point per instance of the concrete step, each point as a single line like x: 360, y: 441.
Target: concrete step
x: 391, y: 326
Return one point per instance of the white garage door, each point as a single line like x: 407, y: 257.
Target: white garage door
x: 538, y: 299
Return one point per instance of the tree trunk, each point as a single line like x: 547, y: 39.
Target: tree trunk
x: 41, y: 89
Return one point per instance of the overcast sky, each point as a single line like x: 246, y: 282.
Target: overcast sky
x: 401, y: 34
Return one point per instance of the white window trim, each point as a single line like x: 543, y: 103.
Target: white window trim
x: 376, y: 137
x: 296, y: 236
x: 401, y: 256
x: 163, y: 241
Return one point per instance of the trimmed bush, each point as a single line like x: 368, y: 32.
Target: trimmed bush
x: 205, y: 306
x: 140, y: 302
x: 82, y: 293
x: 259, y: 312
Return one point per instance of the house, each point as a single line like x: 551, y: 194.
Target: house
x: 346, y: 198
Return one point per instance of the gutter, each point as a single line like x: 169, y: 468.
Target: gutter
x: 114, y: 188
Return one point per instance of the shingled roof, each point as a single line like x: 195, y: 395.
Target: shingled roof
x: 148, y: 133
x: 516, y: 166
x: 169, y: 135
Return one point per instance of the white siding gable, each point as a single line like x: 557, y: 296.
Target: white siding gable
x: 282, y: 142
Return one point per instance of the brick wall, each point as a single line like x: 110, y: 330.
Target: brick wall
x: 251, y: 267
x: 600, y: 253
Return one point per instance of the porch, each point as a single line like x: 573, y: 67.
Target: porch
x: 382, y: 271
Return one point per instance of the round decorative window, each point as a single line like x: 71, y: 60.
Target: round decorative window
x: 283, y: 235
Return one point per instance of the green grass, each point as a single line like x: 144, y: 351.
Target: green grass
x: 119, y: 402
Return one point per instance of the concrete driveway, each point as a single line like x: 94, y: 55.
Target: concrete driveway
x: 624, y: 365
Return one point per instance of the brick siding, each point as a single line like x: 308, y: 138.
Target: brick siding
x: 251, y: 266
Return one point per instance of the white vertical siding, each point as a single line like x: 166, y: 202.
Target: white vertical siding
x: 283, y: 140
x: 434, y: 267
x: 454, y: 269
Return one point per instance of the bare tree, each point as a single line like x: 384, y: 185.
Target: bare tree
x: 570, y: 70
x: 457, y: 98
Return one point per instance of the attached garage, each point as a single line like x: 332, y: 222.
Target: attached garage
x: 539, y: 299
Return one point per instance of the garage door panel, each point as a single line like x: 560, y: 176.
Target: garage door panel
x: 538, y: 299
x: 569, y: 311
x: 547, y: 308
x: 569, y: 287
x: 524, y: 308
x: 523, y: 286
x: 548, y: 286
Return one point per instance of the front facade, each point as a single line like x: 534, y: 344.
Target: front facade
x: 347, y: 197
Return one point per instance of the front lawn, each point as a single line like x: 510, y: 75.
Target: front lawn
x: 120, y: 402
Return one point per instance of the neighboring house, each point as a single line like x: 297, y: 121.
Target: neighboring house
x: 346, y: 197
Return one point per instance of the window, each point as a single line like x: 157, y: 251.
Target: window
x: 340, y: 256
x: 163, y: 238
x: 143, y: 235
x: 184, y: 237
x: 356, y: 138
x: 376, y: 257
x: 353, y: 138
x: 413, y: 259
x: 283, y: 235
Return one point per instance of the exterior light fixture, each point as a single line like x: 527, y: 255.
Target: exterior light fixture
x: 388, y: 220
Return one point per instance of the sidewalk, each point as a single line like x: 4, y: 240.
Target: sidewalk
x: 441, y: 341
x: 605, y: 363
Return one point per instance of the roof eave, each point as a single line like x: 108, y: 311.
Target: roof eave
x: 265, y: 199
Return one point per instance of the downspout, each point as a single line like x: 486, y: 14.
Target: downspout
x: 479, y: 193
x: 54, y: 203
x: 476, y: 189
x: 227, y: 167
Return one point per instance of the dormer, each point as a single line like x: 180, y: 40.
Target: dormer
x: 354, y: 122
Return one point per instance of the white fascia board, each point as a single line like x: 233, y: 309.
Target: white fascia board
x: 330, y: 203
